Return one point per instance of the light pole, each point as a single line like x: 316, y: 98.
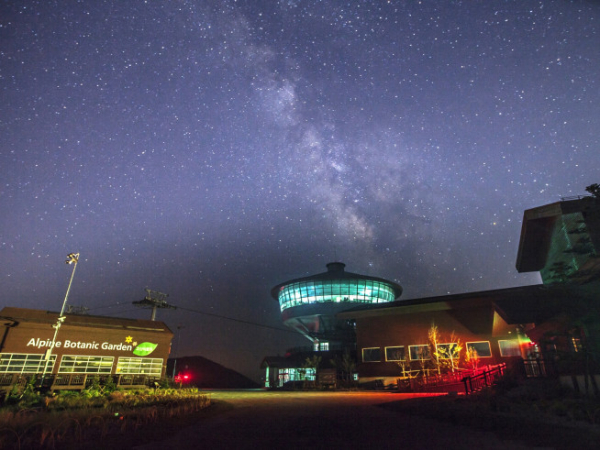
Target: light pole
x: 179, y: 327
x: 73, y: 258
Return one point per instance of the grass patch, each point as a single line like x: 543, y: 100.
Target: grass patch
x: 69, y: 419
x: 539, y: 413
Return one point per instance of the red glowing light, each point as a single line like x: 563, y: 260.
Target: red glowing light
x: 182, y: 378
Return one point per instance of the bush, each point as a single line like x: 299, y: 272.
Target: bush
x: 71, y: 417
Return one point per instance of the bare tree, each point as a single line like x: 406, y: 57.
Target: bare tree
x: 434, y: 339
x: 472, y: 358
x: 446, y: 355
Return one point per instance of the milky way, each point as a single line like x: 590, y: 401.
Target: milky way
x: 213, y: 149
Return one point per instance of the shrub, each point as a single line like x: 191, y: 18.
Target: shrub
x: 108, y: 385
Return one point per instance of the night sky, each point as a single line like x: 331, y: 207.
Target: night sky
x: 213, y: 149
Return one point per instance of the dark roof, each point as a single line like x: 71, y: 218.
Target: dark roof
x: 336, y: 272
x: 524, y: 304
x: 41, y: 316
x: 298, y: 359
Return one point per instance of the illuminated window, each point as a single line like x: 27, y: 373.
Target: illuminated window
x: 509, y: 348
x: 371, y: 354
x: 354, y: 291
x: 298, y: 374
x: 395, y: 354
x: 419, y: 352
x: 24, y: 363
x: 85, y: 364
x: 483, y: 349
x: 140, y: 366
x: 321, y: 346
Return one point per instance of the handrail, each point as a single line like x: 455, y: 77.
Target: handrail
x: 486, y: 378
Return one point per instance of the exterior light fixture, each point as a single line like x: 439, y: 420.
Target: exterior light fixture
x: 72, y: 258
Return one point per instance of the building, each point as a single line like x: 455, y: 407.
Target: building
x: 473, y: 330
x: 562, y: 241
x: 310, y: 305
x: 557, y: 322
x: 133, y: 352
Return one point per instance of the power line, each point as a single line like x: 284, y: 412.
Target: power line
x: 120, y: 313
x: 247, y: 322
x: 106, y: 306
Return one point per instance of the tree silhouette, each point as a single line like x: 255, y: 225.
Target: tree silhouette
x: 594, y: 189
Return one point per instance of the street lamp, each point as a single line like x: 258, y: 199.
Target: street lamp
x: 72, y: 258
x: 179, y: 327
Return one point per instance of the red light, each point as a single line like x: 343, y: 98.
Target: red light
x: 182, y: 378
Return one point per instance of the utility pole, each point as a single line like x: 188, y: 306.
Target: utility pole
x: 179, y: 327
x: 73, y: 258
x: 154, y: 300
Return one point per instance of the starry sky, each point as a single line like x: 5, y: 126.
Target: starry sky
x: 213, y: 149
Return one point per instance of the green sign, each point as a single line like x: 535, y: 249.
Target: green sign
x: 144, y: 349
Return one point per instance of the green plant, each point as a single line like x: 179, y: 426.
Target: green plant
x: 311, y: 363
x: 108, y: 385
x: 346, y: 365
x: 72, y: 419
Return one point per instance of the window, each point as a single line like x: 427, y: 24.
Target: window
x: 447, y: 351
x: 301, y: 374
x: 419, y: 352
x: 295, y: 374
x: 355, y: 291
x: 143, y: 366
x: 395, y: 354
x: 509, y: 348
x: 372, y: 354
x: 25, y: 363
x: 85, y: 364
x: 483, y: 349
x: 321, y: 346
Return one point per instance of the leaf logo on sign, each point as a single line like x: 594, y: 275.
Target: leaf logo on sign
x: 144, y: 349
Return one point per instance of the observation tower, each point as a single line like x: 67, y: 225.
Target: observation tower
x: 309, y: 305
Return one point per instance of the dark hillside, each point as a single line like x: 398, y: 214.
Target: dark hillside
x: 207, y: 374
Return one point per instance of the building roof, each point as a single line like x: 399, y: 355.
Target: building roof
x: 50, y: 317
x: 336, y: 272
x: 524, y: 304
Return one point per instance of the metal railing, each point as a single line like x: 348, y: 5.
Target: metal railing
x: 475, y: 383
